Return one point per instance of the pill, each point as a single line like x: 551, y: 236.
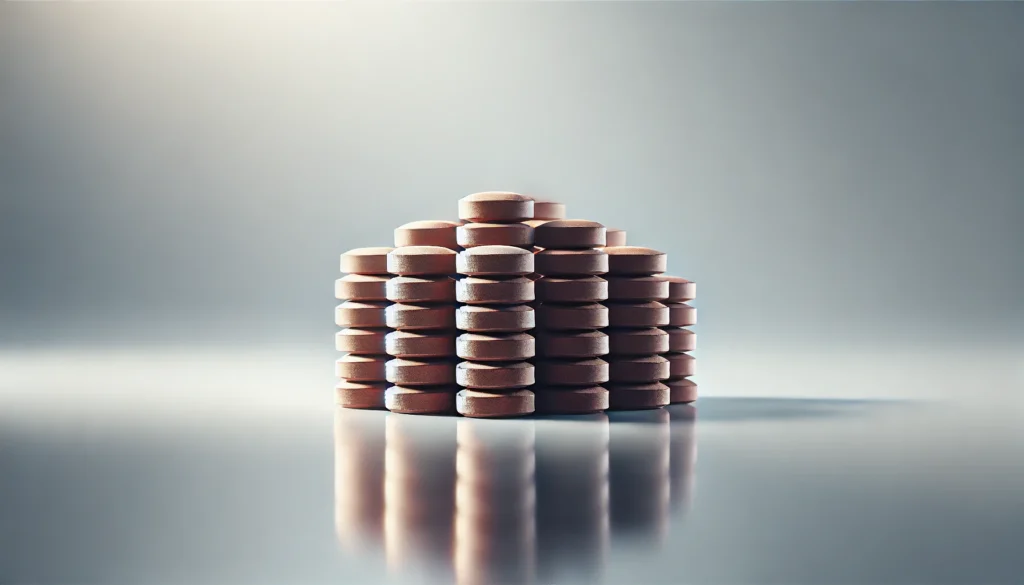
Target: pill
x: 571, y: 344
x: 638, y: 369
x: 565, y: 372
x: 569, y: 234
x: 562, y: 400
x: 366, y: 260
x: 497, y: 318
x: 681, y: 290
x: 495, y: 261
x: 583, y: 289
x: 421, y: 289
x: 360, y: 314
x: 645, y: 341
x: 680, y: 339
x: 360, y: 341
x: 681, y: 390
x: 361, y: 287
x: 495, y: 206
x: 427, y: 233
x: 571, y: 262
x: 544, y: 209
x: 681, y: 365
x: 420, y: 260
x: 495, y: 234
x: 494, y: 290
x: 635, y: 260
x: 409, y: 316
x: 681, y: 315
x: 637, y: 396
x: 637, y: 288
x: 648, y: 314
x: 413, y: 344
x: 496, y: 347
x: 473, y: 403
x: 494, y: 375
x: 420, y: 372
x: 567, y: 317
x: 351, y: 394
x: 424, y: 400
x: 361, y: 368
x: 614, y: 237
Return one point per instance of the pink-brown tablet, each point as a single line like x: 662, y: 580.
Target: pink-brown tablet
x: 495, y: 234
x: 495, y: 318
x: 494, y: 375
x: 568, y: 317
x: 366, y: 260
x: 427, y: 233
x: 615, y: 237
x: 495, y: 347
x: 680, y: 339
x: 415, y: 344
x: 649, y: 314
x: 681, y: 365
x: 349, y: 394
x: 644, y: 341
x: 477, y: 404
x: 638, y: 369
x: 681, y: 290
x: 586, y: 372
x: 569, y: 234
x: 571, y: 344
x: 681, y: 315
x: 543, y: 209
x: 420, y: 372
x: 637, y: 396
x: 361, y: 368
x: 635, y: 260
x: 424, y: 400
x: 681, y: 390
x: 421, y: 289
x: 360, y: 341
x: 496, y: 207
x: 364, y: 314
x: 495, y: 261
x: 361, y: 287
x: 581, y: 289
x: 588, y: 262
x: 637, y: 288
x: 493, y: 290
x: 411, y: 317
x: 421, y: 260
x: 562, y: 400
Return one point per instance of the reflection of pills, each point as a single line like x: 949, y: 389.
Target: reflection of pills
x: 637, y: 396
x: 412, y: 316
x: 571, y: 262
x: 361, y: 368
x: 638, y: 370
x: 426, y: 233
x: 681, y: 315
x: 635, y: 260
x: 566, y: 372
x: 366, y: 260
x: 362, y: 341
x: 680, y: 339
x: 495, y: 346
x: 361, y: 287
x: 418, y: 260
x: 567, y: 234
x: 681, y: 390
x: 567, y: 317
x: 474, y: 403
x: 427, y: 400
x: 351, y: 394
x: 562, y: 400
x: 615, y: 237
x: 548, y: 210
x: 680, y: 290
x: 499, y: 318
x: 637, y: 288
x: 586, y: 289
x: 681, y: 364
x: 645, y: 341
x: 494, y: 375
x: 412, y: 344
x: 494, y: 291
x: 495, y: 234
x: 421, y: 289
x: 571, y: 344
x: 495, y: 206
x: 360, y: 314
x: 649, y: 314
x: 495, y: 260
x: 420, y: 372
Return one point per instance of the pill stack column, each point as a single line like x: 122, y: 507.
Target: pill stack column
x: 364, y: 327
x: 681, y: 340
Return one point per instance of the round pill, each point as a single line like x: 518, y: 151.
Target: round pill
x: 496, y: 206
x: 360, y: 341
x: 420, y: 372
x: 360, y: 314
x: 361, y: 287
x: 587, y: 372
x: 427, y: 233
x: 638, y: 370
x: 681, y: 315
x: 494, y: 375
x: 477, y: 404
x: 417, y: 260
x: 571, y: 262
x: 411, y: 317
x: 571, y: 344
x: 421, y: 289
x: 615, y: 237
x: 637, y: 396
x: 649, y: 314
x: 413, y: 344
x: 366, y: 260
x: 567, y: 317
x: 495, y: 347
x: 360, y: 394
x: 583, y: 289
x: 637, y: 288
x: 494, y: 291
x: 361, y: 368
x: 495, y: 261
x: 680, y: 339
x: 635, y: 260
x: 560, y: 400
x: 427, y: 400
x: 681, y: 365
x: 681, y: 390
x: 569, y: 234
x: 543, y: 209
x: 503, y: 318
x: 646, y: 341
x: 681, y: 290
x: 495, y: 234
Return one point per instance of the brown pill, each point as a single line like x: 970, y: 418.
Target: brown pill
x: 366, y: 260
x: 615, y: 237
x: 681, y: 315
x: 421, y: 289
x: 476, y: 404
x: 420, y: 372
x: 495, y: 261
x: 412, y: 317
x: 427, y: 400
x: 637, y: 396
x: 587, y: 372
x: 635, y: 260
x: 496, y: 206
x: 495, y: 347
x: 569, y: 234
x: 571, y: 344
x: 571, y: 262
x: 427, y: 233
x: 360, y: 341
x: 637, y: 288
x: 360, y: 314
x: 561, y: 400
x: 649, y: 314
x: 681, y: 390
x: 680, y: 339
x: 681, y: 290
x: 361, y: 368
x: 494, y: 375
x: 646, y: 341
x: 549, y: 210
x: 495, y: 234
x: 568, y: 317
x: 420, y: 260
x: 638, y: 370
x: 582, y: 289
x: 494, y: 291
x: 506, y: 318
x: 361, y: 287
x: 681, y: 365
x: 360, y: 394
x: 412, y: 344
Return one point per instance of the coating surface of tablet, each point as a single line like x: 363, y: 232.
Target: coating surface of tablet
x: 427, y: 233
x: 569, y: 234
x: 360, y: 394
x: 495, y: 206
x: 497, y: 318
x: 649, y: 314
x: 680, y: 339
x: 681, y: 290
x: 637, y: 396
x: 614, y: 237
x: 637, y: 288
x: 495, y: 347
x: 638, y: 370
x: 644, y: 341
x: 361, y: 368
x: 571, y: 344
x: 421, y: 260
x: 494, y: 375
x: 681, y: 365
x: 361, y: 287
x: 360, y: 341
x: 495, y: 261
x: 476, y: 404
x: 561, y: 400
x: 588, y: 262
x: 681, y: 315
x: 411, y: 316
x: 365, y: 314
x: 366, y: 260
x: 681, y: 390
x: 425, y: 400
x: 420, y: 372
x: 477, y: 290
x: 495, y: 234
x: 421, y: 289
x: 543, y: 209
x: 635, y: 260
x: 582, y: 289
x: 587, y: 372
x: 568, y: 317
x: 414, y: 344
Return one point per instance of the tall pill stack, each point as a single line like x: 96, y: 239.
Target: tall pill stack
x: 570, y: 371
x: 364, y: 327
x: 681, y: 340
x: 495, y: 314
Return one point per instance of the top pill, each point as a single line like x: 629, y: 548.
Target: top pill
x: 548, y: 209
x: 635, y: 260
x: 366, y: 261
x: 427, y: 233
x: 569, y: 234
x: 496, y: 207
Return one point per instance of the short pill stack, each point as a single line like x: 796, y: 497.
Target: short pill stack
x: 681, y: 340
x: 570, y: 371
x: 362, y: 317
x: 495, y: 316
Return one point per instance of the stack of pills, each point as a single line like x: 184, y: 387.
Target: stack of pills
x: 362, y: 317
x: 570, y: 371
x: 680, y: 339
